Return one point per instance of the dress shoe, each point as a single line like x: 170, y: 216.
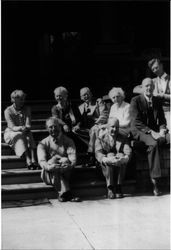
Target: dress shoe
x: 69, y: 196
x: 35, y: 166
x: 30, y: 166
x: 111, y: 194
x: 62, y: 199
x: 119, y: 193
x: 156, y: 192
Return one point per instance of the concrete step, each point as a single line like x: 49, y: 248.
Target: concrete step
x: 38, y: 134
x: 6, y: 149
x: 40, y: 190
x: 12, y: 162
x: 20, y: 176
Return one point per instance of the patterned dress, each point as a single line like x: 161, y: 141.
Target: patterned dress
x: 18, y: 140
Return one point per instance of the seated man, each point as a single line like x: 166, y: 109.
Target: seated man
x: 57, y: 156
x: 113, y: 153
x: 148, y: 125
x: 91, y: 113
x: 88, y: 115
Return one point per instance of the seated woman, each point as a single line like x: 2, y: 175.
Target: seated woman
x: 66, y: 114
x: 18, y: 132
x: 121, y: 110
x: 63, y: 110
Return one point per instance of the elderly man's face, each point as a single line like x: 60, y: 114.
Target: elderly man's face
x: 148, y: 87
x: 53, y: 128
x: 113, y: 127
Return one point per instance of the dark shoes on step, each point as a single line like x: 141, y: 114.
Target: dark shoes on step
x: 33, y: 166
x: 68, y: 196
x: 157, y: 192
x: 119, y: 193
x: 112, y: 193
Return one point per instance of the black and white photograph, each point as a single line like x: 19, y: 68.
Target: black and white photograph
x: 85, y: 125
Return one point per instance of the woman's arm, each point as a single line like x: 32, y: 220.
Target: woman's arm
x: 125, y: 122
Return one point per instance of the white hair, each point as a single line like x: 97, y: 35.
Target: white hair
x: 115, y: 91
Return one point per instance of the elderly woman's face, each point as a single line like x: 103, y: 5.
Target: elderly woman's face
x: 60, y: 98
x: 117, y: 98
x: 86, y: 96
x: 19, y: 101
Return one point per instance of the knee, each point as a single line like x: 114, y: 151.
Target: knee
x: 153, y: 145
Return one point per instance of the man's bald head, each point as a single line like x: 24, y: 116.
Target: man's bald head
x: 148, y: 87
x: 113, y: 126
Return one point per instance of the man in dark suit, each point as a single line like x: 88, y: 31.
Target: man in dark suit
x: 148, y: 125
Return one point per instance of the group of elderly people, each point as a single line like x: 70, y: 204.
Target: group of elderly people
x: 93, y: 128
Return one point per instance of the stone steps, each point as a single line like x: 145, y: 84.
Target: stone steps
x: 18, y: 183
x: 23, y: 175
x: 86, y: 189
x: 12, y: 162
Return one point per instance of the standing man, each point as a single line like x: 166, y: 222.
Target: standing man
x: 57, y: 156
x: 162, y: 86
x: 148, y: 125
x: 113, y: 155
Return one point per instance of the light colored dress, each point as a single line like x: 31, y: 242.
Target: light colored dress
x: 122, y: 113
x: 18, y: 140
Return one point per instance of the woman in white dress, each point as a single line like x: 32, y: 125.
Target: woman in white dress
x: 121, y: 110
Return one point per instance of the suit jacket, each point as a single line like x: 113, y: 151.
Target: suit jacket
x: 167, y: 88
x: 68, y: 115
x: 88, y: 119
x: 139, y: 115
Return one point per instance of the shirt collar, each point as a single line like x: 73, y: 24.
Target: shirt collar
x: 163, y: 76
x: 56, y: 140
x: 148, y: 99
